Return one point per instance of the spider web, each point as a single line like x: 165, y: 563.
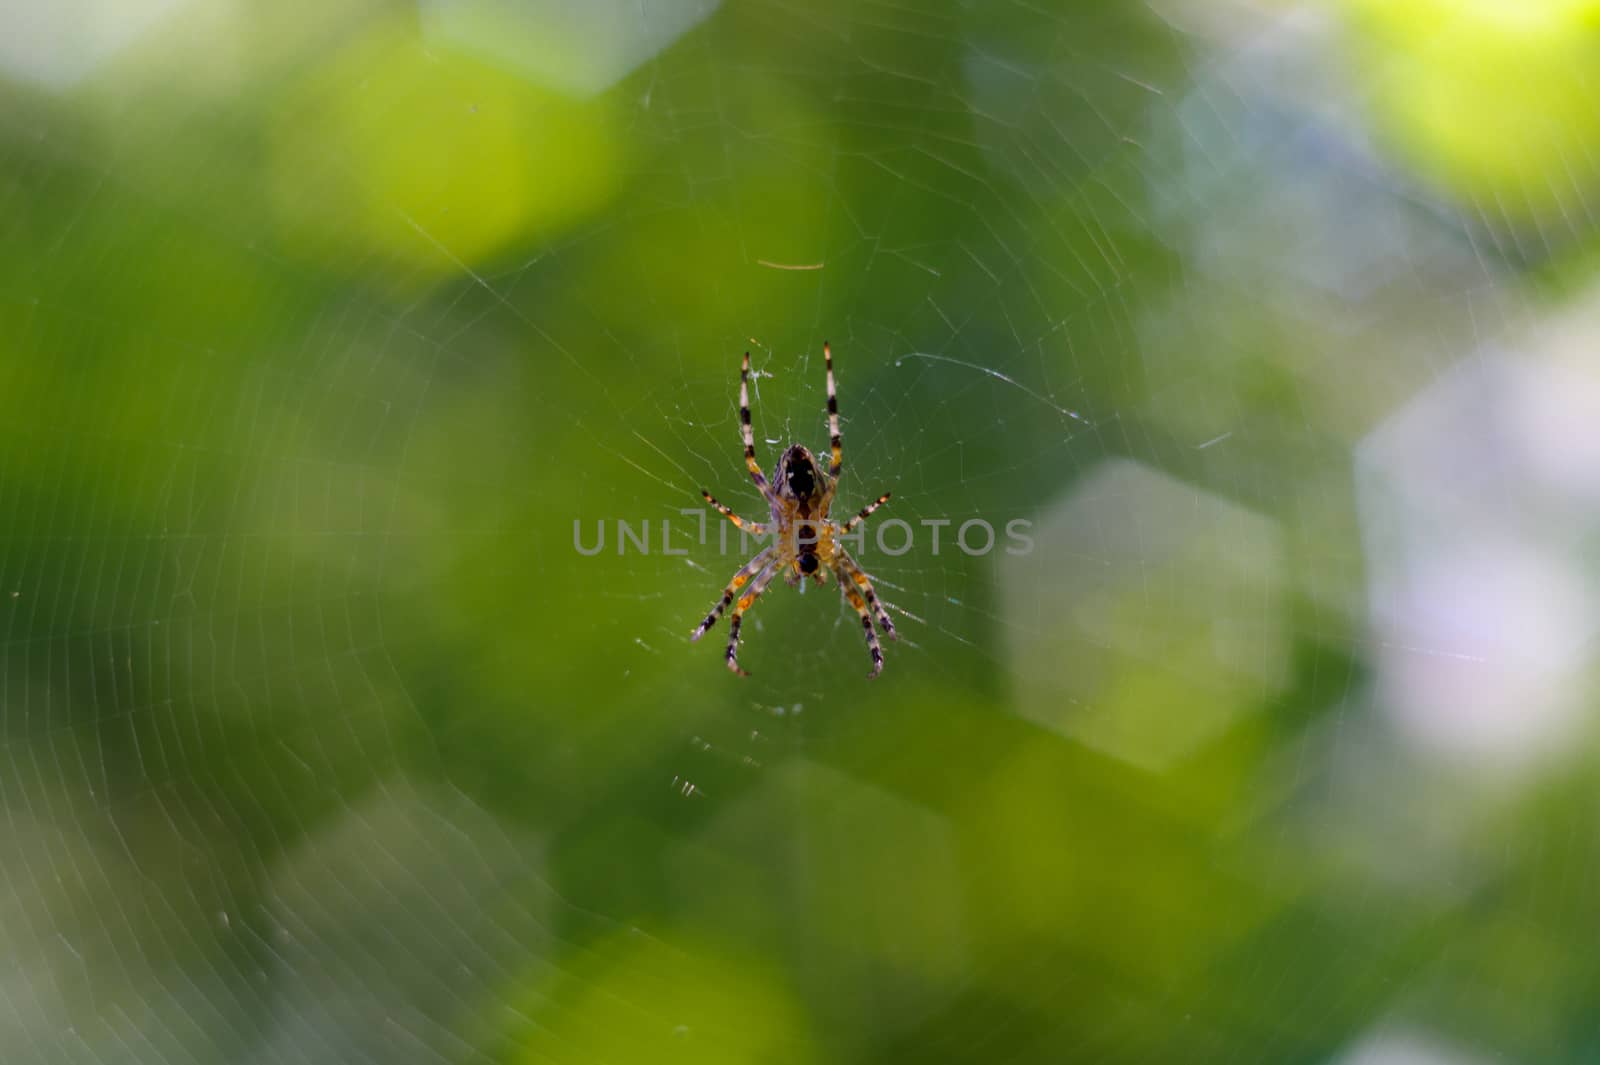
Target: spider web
x: 323, y: 742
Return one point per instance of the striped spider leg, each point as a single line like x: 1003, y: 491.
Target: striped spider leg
x: 748, y: 436
x: 757, y: 565
x: 805, y: 541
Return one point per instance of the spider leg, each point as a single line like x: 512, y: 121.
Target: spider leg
x: 754, y: 528
x: 833, y: 417
x: 745, y: 573
x: 866, y: 626
x: 848, y: 567
x: 748, y: 434
x: 866, y: 512
x: 737, y: 617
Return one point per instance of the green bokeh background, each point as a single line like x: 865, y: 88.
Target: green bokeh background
x: 320, y: 325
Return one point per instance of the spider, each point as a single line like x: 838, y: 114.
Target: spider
x: 805, y: 541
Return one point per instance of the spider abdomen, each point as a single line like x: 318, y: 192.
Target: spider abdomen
x: 810, y: 545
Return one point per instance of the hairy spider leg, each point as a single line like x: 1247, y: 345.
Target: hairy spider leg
x: 754, y: 528
x: 866, y: 626
x: 866, y: 512
x: 748, y: 434
x: 745, y: 573
x: 833, y: 418
x: 737, y: 618
x: 845, y: 566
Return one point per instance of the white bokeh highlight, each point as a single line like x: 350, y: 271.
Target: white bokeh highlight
x: 1408, y: 1047
x: 1476, y: 500
x: 1149, y: 617
x: 580, y: 49
x: 56, y: 45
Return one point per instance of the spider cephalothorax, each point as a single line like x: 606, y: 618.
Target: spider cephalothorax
x: 805, y: 540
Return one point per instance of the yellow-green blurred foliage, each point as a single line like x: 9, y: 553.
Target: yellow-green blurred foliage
x: 394, y: 149
x: 1493, y: 101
